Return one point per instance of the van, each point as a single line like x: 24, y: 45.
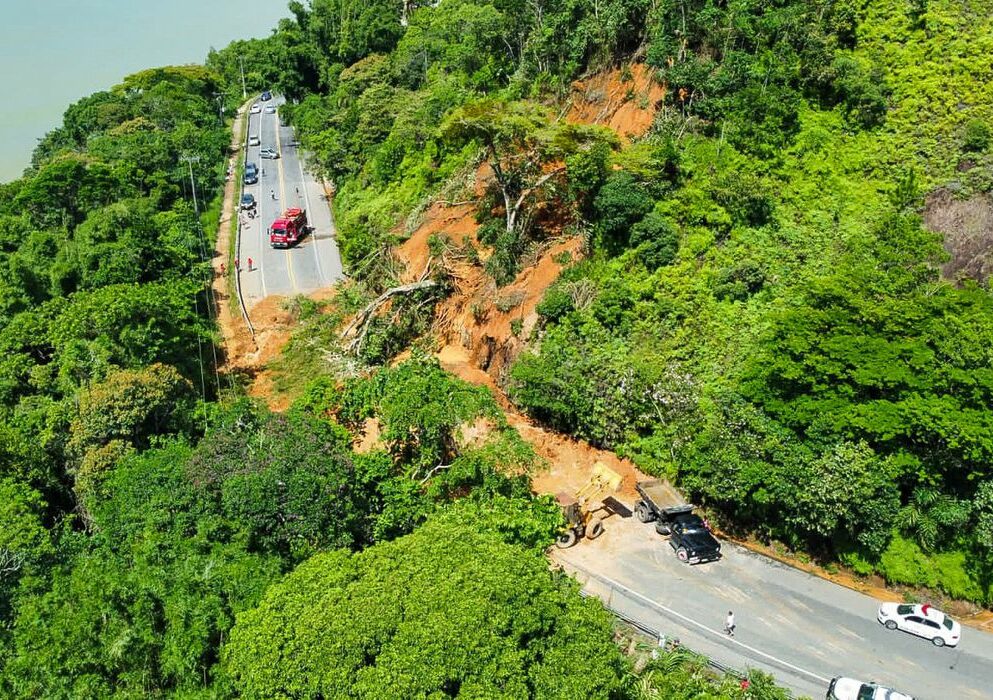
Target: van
x: 253, y: 140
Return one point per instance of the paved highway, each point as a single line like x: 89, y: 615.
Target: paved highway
x: 800, y: 628
x: 313, y: 263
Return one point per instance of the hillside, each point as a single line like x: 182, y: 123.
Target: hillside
x: 745, y: 286
x: 742, y: 246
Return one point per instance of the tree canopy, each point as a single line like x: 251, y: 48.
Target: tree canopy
x: 450, y: 610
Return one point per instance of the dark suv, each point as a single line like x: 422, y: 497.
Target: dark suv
x: 265, y: 96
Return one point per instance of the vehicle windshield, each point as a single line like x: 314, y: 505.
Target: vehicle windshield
x: 691, y: 524
x: 866, y: 692
x: 904, y: 609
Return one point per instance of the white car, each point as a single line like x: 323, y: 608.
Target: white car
x: 256, y: 109
x: 922, y: 620
x: 253, y: 140
x: 270, y: 109
x: 842, y: 688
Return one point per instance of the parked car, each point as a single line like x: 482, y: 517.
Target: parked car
x: 265, y: 96
x: 922, y: 620
x: 270, y: 109
x: 247, y: 201
x: 842, y: 688
x: 254, y: 140
x: 270, y: 153
x: 256, y: 109
x: 251, y: 173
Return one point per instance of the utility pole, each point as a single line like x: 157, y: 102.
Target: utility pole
x: 244, y: 90
x: 219, y: 96
x: 190, y: 160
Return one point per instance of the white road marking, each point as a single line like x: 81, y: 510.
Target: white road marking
x: 719, y: 634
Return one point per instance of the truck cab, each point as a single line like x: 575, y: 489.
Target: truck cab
x: 690, y: 537
x: 288, y: 229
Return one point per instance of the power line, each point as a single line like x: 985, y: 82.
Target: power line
x: 211, y: 298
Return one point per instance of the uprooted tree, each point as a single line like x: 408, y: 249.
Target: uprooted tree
x: 524, y: 147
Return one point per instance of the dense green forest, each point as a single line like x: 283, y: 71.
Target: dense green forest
x: 761, y: 314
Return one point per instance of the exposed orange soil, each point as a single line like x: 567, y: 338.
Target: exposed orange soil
x: 457, y: 223
x: 475, y: 326
x: 569, y: 460
x: 368, y: 440
x: 627, y: 107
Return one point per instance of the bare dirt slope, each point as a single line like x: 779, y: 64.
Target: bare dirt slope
x: 569, y: 460
x: 624, y: 99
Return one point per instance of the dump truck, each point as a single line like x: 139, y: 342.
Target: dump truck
x: 689, y: 536
x: 289, y: 228
x: 582, y: 509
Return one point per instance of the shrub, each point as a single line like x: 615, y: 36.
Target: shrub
x: 862, y: 92
x: 906, y: 563
x: 621, y: 202
x: 977, y: 136
x: 556, y: 304
x: 740, y: 282
x: 656, y: 241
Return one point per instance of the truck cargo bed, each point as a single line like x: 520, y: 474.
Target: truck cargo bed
x: 660, y: 494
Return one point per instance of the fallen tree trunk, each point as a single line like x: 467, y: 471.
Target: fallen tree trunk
x: 360, y: 324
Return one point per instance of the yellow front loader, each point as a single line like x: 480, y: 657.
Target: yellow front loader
x: 582, y: 509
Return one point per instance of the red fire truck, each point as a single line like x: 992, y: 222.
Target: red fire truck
x: 288, y: 228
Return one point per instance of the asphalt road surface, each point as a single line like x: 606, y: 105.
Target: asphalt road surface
x: 314, y: 262
x: 800, y: 628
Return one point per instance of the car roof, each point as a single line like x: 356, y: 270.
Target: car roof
x: 932, y: 613
x: 849, y: 687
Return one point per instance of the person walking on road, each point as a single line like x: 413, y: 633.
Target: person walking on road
x: 249, y: 264
x: 272, y: 193
x: 729, y: 623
